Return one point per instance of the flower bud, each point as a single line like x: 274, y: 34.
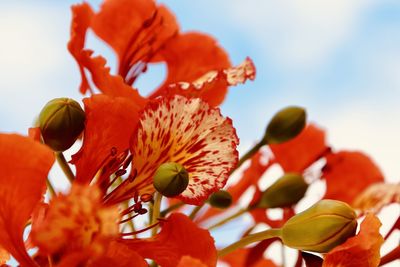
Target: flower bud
x: 171, y: 179
x: 220, y: 199
x: 61, y: 121
x: 285, y: 125
x: 286, y: 191
x: 325, y: 225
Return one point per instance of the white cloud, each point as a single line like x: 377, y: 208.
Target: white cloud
x: 301, y: 33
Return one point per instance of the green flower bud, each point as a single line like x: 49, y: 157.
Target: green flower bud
x: 171, y: 179
x: 285, y: 125
x: 286, y: 191
x: 220, y: 199
x: 325, y: 225
x: 61, y: 121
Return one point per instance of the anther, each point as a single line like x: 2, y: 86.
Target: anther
x: 146, y: 198
x: 120, y: 172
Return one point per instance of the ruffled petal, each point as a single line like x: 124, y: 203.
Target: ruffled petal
x: 300, y: 152
x: 188, y: 132
x: 347, y: 174
x: 110, y: 123
x: 376, y: 196
x: 178, y: 237
x: 239, y: 259
x: 211, y: 87
x: 361, y: 250
x: 24, y: 166
x: 190, y: 56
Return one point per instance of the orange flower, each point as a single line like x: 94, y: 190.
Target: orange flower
x: 24, y: 165
x: 376, y: 196
x: 143, y: 32
x: 361, y: 250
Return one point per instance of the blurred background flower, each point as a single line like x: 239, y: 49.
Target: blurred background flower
x: 340, y: 59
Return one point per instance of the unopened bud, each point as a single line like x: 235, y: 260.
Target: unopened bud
x: 171, y: 179
x: 221, y: 199
x: 285, y: 125
x: 325, y: 225
x: 285, y: 192
x: 61, y: 121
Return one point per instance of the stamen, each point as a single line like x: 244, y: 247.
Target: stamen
x: 141, y: 231
x: 129, y: 218
x: 120, y: 172
x: 146, y: 198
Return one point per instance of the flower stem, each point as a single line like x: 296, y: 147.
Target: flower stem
x: 195, y: 211
x: 391, y: 256
x: 156, y: 212
x: 250, y: 153
x: 228, y: 219
x: 50, y: 187
x: 64, y: 166
x: 171, y: 208
x: 267, y: 234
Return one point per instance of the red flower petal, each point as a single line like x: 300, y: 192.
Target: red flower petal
x: 24, y: 166
x: 347, y: 174
x: 300, y: 152
x: 190, y: 133
x: 239, y: 259
x: 136, y: 30
x: 190, y: 56
x: 211, y: 87
x: 361, y: 250
x: 104, y: 81
x: 178, y: 237
x: 189, y: 261
x: 110, y: 123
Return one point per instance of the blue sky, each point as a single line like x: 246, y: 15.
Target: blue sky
x: 338, y: 58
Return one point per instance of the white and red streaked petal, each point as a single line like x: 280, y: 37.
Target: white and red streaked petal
x: 206, y: 86
x: 188, y: 132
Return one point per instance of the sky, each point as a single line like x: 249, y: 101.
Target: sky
x: 339, y: 59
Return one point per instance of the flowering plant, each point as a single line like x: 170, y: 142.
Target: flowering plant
x: 149, y: 182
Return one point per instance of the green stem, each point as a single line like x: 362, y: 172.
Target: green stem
x: 228, y: 219
x: 250, y: 153
x: 156, y: 212
x: 64, y: 166
x: 195, y: 211
x: 171, y: 208
x: 51, y: 188
x: 267, y: 234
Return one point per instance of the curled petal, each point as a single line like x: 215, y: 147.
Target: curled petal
x: 110, y: 123
x: 24, y: 165
x: 178, y: 237
x: 188, y: 132
x: 347, y: 174
x: 360, y: 250
x: 190, y: 56
x: 113, y: 85
x: 210, y: 86
x: 300, y: 152
x: 376, y: 196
